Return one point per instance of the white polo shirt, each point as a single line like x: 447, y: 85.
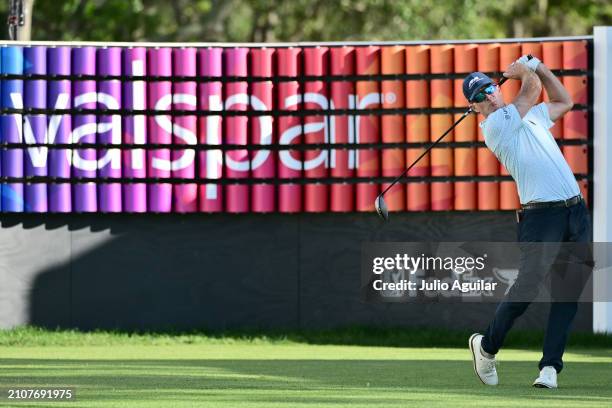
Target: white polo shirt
x: 530, y: 154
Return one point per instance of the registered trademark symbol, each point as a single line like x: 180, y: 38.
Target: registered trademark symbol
x: 390, y: 97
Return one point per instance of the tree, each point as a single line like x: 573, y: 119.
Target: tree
x: 311, y: 20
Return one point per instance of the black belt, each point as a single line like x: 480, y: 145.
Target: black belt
x: 552, y: 204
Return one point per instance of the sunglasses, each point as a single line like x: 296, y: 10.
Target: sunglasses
x: 482, y: 95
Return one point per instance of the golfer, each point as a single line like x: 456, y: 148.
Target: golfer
x: 552, y: 208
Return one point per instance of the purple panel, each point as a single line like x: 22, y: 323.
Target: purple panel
x: 12, y: 158
x: 185, y: 196
x: 159, y: 97
x: 84, y: 129
x: 109, y: 129
x: 134, y: 130
x: 35, y: 128
x: 60, y: 126
x: 210, y: 162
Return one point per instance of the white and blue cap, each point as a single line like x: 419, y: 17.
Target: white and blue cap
x: 474, y: 83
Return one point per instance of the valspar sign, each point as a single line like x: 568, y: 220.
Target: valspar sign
x: 179, y: 79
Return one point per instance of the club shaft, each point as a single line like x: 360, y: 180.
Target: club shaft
x: 398, y: 178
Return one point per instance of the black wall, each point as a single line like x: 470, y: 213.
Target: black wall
x: 202, y: 271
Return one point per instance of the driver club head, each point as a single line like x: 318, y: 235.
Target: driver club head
x: 381, y: 208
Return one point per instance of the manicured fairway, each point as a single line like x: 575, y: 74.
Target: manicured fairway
x: 262, y: 373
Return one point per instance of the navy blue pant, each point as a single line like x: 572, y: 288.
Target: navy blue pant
x: 559, y: 224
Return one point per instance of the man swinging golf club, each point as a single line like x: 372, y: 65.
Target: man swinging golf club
x: 552, y: 208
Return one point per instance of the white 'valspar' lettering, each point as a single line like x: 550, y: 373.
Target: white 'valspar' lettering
x: 214, y: 157
x: 164, y: 122
x: 138, y: 94
x: 112, y: 156
x: 38, y: 155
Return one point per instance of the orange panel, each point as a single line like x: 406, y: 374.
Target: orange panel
x: 465, y: 161
x: 441, y: 90
x: 442, y: 196
x: 577, y: 158
x: 466, y: 130
x: 465, y: 164
x: 488, y: 57
x: 552, y: 54
x: 508, y: 196
x: 441, y: 93
x: 417, y: 59
x: 417, y: 130
x: 533, y: 48
x: 441, y: 62
x: 418, y: 196
x: 577, y: 88
x: 466, y: 58
x: 488, y: 192
x: 417, y: 126
x: 441, y: 59
x: 508, y: 53
x: 441, y: 163
x: 465, y: 61
x: 441, y: 158
x: 393, y: 160
x: 465, y: 195
x: 417, y: 94
x: 575, y: 55
x: 576, y: 125
x: 417, y: 62
x: 487, y: 163
x: 488, y: 195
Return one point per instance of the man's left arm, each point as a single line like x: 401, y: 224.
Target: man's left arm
x: 560, y: 101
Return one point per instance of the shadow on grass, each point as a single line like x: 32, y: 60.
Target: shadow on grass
x: 316, y: 382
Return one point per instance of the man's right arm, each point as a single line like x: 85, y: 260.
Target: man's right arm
x: 531, y: 87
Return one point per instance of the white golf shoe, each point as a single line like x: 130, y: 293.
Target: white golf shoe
x: 484, y: 367
x: 547, y: 378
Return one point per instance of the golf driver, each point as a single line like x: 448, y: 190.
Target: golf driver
x: 379, y: 203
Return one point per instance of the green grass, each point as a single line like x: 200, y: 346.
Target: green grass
x: 355, y: 336
x: 248, y: 371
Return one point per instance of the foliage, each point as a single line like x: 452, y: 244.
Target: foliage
x: 311, y: 20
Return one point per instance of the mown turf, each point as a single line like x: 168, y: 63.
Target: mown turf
x: 241, y: 373
x: 355, y: 336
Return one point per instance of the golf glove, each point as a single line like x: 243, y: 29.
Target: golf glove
x: 532, y: 63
